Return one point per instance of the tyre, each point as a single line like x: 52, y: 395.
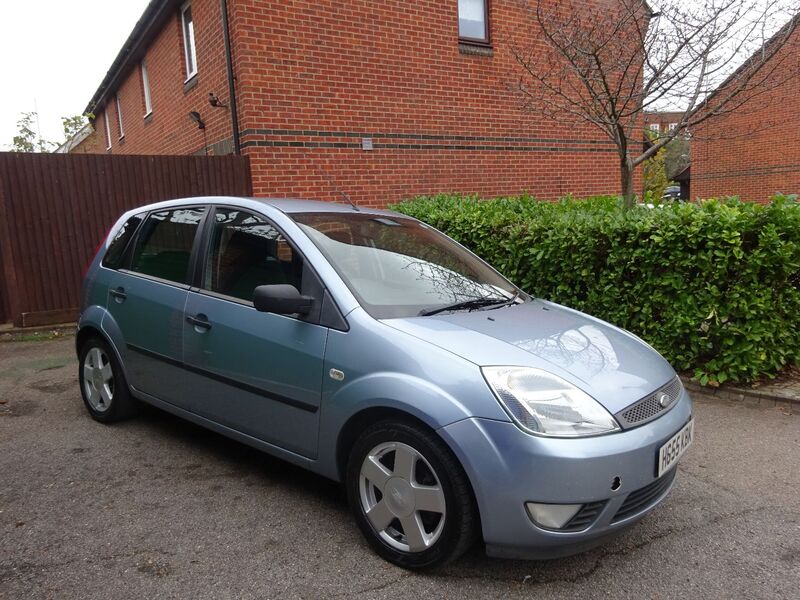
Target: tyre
x: 103, y: 387
x: 410, y: 496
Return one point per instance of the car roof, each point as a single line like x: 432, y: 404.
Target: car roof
x: 285, y: 205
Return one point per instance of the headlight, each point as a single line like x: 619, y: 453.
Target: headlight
x: 545, y: 404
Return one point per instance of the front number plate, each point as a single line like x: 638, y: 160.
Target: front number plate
x: 670, y: 452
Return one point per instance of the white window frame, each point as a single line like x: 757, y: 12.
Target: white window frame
x: 672, y: 127
x: 119, y: 116
x: 480, y: 40
x: 148, y: 100
x: 655, y: 127
x: 189, y: 47
x: 108, y: 129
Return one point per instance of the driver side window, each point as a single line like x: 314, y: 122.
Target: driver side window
x: 246, y: 251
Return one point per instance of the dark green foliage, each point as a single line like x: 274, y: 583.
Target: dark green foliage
x: 714, y: 287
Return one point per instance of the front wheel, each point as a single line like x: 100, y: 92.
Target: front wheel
x: 410, y: 496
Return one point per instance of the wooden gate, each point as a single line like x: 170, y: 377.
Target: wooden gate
x: 55, y: 209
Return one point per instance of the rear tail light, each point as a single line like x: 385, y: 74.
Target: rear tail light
x: 95, y: 253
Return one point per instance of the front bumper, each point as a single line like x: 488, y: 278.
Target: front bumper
x: 508, y: 467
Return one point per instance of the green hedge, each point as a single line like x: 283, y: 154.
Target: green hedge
x: 714, y: 286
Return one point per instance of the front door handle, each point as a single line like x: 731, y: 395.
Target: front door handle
x: 118, y: 294
x: 200, y: 321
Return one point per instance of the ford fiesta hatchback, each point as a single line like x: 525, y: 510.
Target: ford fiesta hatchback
x: 370, y: 348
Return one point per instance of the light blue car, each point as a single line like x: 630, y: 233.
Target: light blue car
x: 372, y: 349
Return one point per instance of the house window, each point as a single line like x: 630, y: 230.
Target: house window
x: 473, y: 20
x: 672, y: 126
x: 189, y: 52
x: 119, y: 116
x: 108, y: 129
x: 148, y: 103
x: 655, y: 128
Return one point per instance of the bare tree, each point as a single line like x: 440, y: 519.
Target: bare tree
x: 607, y: 62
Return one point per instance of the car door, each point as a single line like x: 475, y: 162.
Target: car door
x: 147, y: 298
x: 258, y: 373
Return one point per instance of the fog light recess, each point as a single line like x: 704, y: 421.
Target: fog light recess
x: 551, y: 516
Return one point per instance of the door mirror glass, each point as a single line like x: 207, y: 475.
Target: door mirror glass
x: 282, y: 299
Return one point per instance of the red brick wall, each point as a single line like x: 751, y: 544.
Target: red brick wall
x: 169, y: 130
x: 314, y: 77
x: 439, y: 120
x: 753, y: 152
x: 94, y: 143
x: 663, y: 119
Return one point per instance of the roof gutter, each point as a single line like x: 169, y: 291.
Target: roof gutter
x: 146, y: 26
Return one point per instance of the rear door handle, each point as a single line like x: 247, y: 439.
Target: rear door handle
x: 200, y: 321
x: 118, y: 294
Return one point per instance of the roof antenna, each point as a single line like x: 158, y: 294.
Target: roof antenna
x: 331, y: 181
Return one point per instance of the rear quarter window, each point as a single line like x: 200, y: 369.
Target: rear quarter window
x: 116, y: 250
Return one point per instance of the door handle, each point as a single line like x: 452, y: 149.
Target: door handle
x: 118, y: 294
x: 200, y: 321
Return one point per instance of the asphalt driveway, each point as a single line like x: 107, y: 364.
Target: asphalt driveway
x: 159, y: 508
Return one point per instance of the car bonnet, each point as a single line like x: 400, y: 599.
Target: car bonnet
x: 613, y: 366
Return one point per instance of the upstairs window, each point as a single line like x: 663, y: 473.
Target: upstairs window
x: 672, y: 127
x: 655, y: 127
x: 148, y: 103
x: 473, y: 21
x: 108, y: 129
x: 189, y: 52
x: 119, y: 116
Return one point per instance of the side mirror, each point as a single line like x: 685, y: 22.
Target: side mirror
x: 282, y: 299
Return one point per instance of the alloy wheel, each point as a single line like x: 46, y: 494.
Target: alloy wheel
x: 402, y: 497
x: 98, y: 379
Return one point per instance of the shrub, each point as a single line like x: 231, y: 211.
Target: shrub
x: 714, y: 286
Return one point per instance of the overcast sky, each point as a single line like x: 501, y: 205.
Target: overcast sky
x: 53, y: 55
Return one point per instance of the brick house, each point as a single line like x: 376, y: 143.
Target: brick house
x: 388, y: 99
x: 84, y: 141
x: 752, y: 152
x: 662, y: 122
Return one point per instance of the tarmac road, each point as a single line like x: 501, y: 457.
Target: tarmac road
x: 159, y: 508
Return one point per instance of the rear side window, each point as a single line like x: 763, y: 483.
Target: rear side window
x: 245, y: 252
x: 164, y: 246
x: 116, y: 250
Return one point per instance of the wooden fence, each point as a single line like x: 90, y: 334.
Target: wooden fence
x: 55, y: 209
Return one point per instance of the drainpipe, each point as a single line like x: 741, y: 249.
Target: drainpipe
x: 231, y: 85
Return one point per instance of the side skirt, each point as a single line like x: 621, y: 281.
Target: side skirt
x: 278, y: 452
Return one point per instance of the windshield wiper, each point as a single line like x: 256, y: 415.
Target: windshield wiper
x: 467, y: 305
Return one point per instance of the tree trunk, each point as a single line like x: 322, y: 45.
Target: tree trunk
x: 626, y: 179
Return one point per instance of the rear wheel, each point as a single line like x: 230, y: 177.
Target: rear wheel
x: 410, y: 496
x: 103, y: 387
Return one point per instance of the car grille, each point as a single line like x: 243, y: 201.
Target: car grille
x: 584, y: 517
x: 649, y: 408
x: 640, y: 499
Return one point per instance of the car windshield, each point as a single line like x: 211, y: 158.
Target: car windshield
x: 399, y: 267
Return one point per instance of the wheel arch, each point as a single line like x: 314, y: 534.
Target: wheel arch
x: 96, y: 322
x: 87, y: 332
x: 359, y: 421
